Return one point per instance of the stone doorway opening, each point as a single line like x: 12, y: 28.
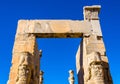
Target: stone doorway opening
x: 58, y: 57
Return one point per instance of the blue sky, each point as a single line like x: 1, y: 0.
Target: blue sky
x: 58, y: 54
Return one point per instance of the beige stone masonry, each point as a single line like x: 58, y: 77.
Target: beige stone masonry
x: 54, y: 28
x: 91, y: 59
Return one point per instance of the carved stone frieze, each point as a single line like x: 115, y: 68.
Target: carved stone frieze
x: 25, y: 69
x: 97, y: 69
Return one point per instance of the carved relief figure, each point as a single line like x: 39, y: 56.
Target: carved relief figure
x: 97, y: 72
x: 97, y: 69
x: 24, y: 69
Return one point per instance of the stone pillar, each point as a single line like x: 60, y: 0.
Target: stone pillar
x: 40, y: 53
x: 71, y: 77
x: 91, y: 59
x: 25, y: 59
x: 40, y: 72
x: 91, y: 15
x: 41, y: 77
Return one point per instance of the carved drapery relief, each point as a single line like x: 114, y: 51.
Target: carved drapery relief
x: 24, y: 75
x: 25, y: 69
x: 97, y: 70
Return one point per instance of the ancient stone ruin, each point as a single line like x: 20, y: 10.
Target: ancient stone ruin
x: 91, y: 59
x: 71, y: 77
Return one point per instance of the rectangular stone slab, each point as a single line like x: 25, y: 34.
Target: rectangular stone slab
x: 54, y: 28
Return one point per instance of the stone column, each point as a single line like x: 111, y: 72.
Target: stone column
x: 41, y: 77
x: 40, y: 72
x: 40, y: 53
x: 71, y: 77
x: 91, y: 59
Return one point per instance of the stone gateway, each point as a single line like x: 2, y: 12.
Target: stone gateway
x: 91, y: 59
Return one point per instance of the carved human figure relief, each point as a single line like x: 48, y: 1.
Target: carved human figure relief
x: 24, y: 69
x: 24, y: 75
x: 97, y: 72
